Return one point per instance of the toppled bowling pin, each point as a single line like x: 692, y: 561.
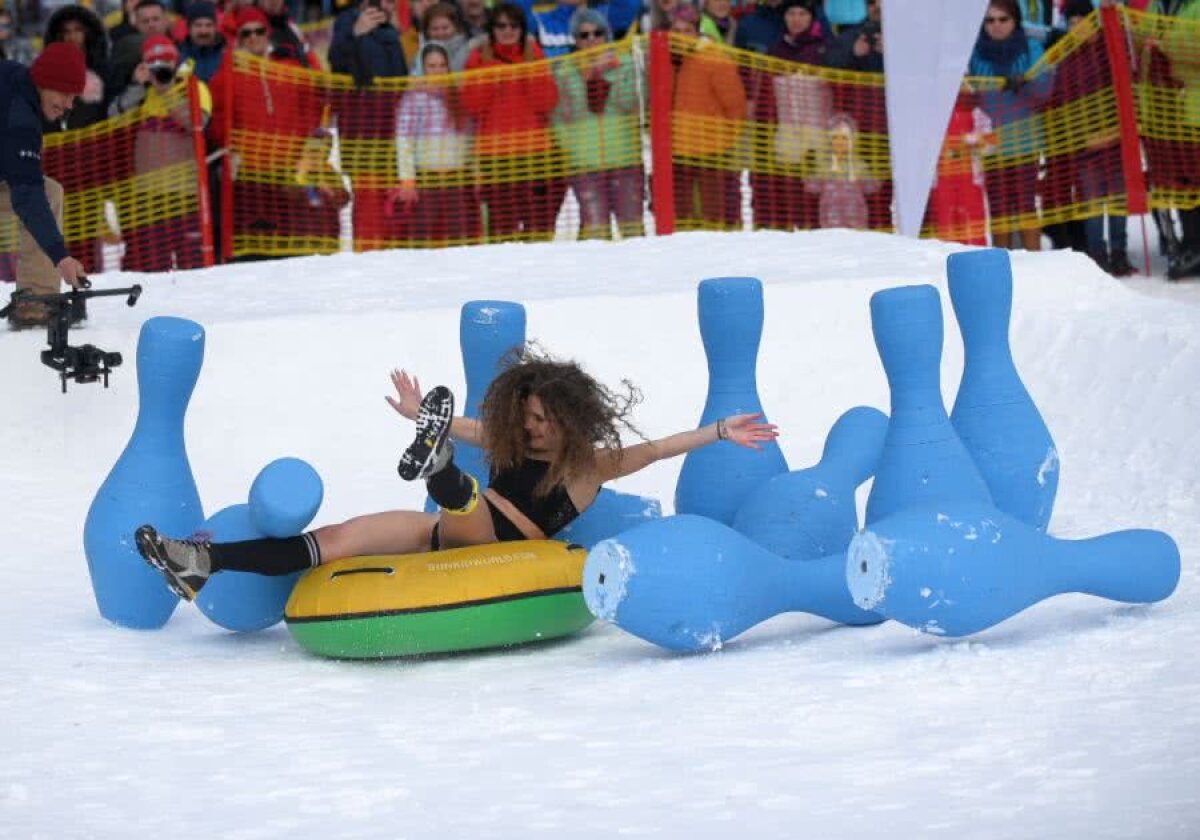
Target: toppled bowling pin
x: 923, y: 460
x: 689, y: 583
x: 810, y: 513
x: 284, y: 498
x: 993, y: 414
x: 959, y: 568
x: 714, y: 480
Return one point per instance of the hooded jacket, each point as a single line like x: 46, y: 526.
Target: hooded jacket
x: 95, y: 52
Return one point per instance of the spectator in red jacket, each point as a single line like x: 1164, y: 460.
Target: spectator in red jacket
x: 263, y: 115
x: 522, y: 171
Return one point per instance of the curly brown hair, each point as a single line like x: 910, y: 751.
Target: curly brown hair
x: 589, y: 414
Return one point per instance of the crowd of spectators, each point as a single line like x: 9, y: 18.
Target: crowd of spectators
x: 579, y: 123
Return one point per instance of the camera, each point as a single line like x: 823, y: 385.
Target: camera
x: 375, y: 4
x: 87, y: 363
x: 871, y: 31
x: 162, y: 74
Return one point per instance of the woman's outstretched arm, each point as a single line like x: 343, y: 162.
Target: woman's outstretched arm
x: 408, y: 401
x: 742, y: 429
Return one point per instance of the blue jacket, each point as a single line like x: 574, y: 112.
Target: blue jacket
x: 205, y: 60
x: 378, y: 53
x: 1015, y: 113
x: 21, y: 158
x: 759, y: 30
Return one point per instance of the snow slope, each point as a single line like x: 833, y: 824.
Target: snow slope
x: 1078, y: 718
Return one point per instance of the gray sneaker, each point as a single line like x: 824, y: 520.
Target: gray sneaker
x: 186, y: 564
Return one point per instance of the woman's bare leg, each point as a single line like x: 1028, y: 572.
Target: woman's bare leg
x: 474, y: 528
x: 393, y: 532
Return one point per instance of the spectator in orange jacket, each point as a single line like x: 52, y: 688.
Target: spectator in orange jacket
x: 521, y: 169
x: 709, y: 108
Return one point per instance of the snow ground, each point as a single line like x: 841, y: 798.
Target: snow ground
x: 1077, y: 718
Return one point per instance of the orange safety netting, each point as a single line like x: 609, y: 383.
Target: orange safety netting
x: 132, y: 195
x: 1108, y: 121
x: 1166, y: 92
x: 434, y: 160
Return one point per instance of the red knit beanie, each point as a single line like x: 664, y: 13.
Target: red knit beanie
x: 251, y: 14
x: 60, y: 67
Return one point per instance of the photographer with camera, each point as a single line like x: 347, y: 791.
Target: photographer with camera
x: 27, y: 94
x: 165, y: 159
x: 861, y: 47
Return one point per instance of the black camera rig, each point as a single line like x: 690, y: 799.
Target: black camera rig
x: 87, y: 363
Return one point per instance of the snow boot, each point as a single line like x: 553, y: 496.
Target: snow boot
x: 1119, y: 264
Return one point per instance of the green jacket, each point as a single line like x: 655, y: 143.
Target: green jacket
x: 609, y: 139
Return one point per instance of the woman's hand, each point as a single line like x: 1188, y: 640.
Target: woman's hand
x: 744, y: 431
x: 408, y: 394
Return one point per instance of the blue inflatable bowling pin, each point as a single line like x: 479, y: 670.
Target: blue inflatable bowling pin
x: 993, y: 414
x: 151, y: 482
x: 715, y: 479
x: 810, y: 513
x: 487, y: 331
x: 610, y: 514
x: 958, y: 568
x: 284, y: 498
x: 923, y: 459
x: 689, y: 583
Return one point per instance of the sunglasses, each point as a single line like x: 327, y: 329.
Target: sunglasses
x: 998, y: 19
x: 504, y: 24
x: 251, y: 32
x: 588, y: 33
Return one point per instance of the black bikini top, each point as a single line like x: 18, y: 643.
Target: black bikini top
x: 551, y: 512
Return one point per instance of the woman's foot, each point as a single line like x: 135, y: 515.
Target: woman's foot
x: 186, y: 564
x: 432, y: 449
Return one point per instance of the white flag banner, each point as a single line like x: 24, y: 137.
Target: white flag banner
x: 927, y: 45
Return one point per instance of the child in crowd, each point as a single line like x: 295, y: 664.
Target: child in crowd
x: 433, y: 138
x: 842, y: 180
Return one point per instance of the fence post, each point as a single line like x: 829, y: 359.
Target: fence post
x: 202, y: 196
x: 1136, y: 202
x: 662, y: 179
x: 227, y: 161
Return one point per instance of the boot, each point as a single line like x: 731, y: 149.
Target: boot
x: 27, y: 314
x: 186, y: 564
x: 1187, y: 264
x: 1100, y: 258
x: 431, y: 450
x: 1119, y: 265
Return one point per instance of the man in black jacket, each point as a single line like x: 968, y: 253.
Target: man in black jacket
x: 27, y: 94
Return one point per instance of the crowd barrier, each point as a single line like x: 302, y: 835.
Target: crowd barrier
x: 652, y: 134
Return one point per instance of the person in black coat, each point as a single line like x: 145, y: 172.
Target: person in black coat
x: 79, y: 25
x: 366, y: 43
x: 28, y: 95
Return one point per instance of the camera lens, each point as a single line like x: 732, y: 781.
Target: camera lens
x: 162, y: 75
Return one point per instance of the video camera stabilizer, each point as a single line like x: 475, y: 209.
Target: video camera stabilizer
x: 87, y: 363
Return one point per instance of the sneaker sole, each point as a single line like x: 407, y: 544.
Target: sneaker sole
x: 148, y: 548
x: 437, y: 412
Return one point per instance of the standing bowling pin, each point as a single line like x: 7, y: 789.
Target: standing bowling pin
x: 284, y: 498
x: 689, y: 583
x: 715, y: 479
x: 487, y: 331
x: 810, y: 513
x: 958, y: 568
x: 993, y: 414
x: 923, y: 459
x: 151, y: 482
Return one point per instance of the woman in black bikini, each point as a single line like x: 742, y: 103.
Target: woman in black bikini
x: 552, y: 437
